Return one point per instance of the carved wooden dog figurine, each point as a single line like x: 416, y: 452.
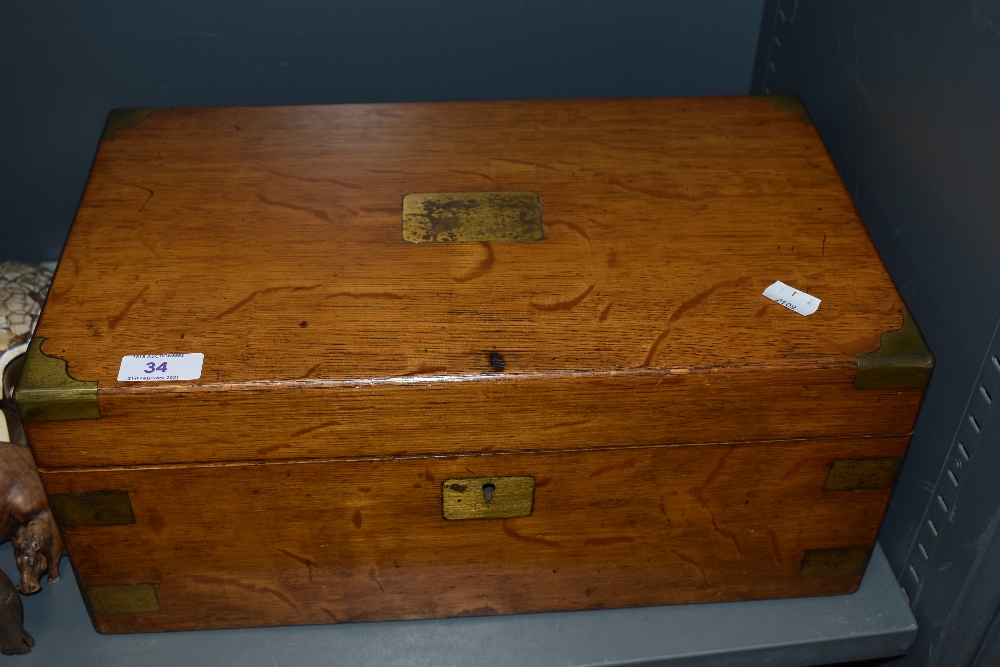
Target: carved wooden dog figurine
x: 25, y: 518
x: 13, y: 638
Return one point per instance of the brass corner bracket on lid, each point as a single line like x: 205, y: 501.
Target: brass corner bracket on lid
x: 902, y: 360
x: 790, y: 103
x: 119, y: 118
x: 472, y: 216
x: 46, y: 392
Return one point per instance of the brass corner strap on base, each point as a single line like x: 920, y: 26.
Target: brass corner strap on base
x: 121, y: 598
x: 862, y: 474
x: 902, y: 360
x: 847, y: 561
x: 46, y: 392
x: 92, y: 508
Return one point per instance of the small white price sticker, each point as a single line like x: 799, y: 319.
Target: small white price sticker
x: 792, y: 299
x: 160, y: 367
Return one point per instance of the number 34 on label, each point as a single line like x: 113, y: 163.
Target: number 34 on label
x: 160, y: 367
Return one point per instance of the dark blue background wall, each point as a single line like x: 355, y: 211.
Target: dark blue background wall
x: 64, y: 65
x: 906, y: 95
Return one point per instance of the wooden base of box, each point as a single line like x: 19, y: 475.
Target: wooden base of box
x: 219, y: 546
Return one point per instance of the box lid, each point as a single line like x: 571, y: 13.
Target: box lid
x: 272, y: 241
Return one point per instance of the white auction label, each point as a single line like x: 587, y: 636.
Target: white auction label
x: 160, y: 367
x: 792, y: 299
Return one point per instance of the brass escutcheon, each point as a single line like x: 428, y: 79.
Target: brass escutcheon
x: 487, y: 497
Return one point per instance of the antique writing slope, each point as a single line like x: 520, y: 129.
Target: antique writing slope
x: 465, y: 359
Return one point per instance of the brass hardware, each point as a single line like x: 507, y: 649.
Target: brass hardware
x: 119, y: 118
x: 46, y: 392
x: 835, y: 562
x: 99, y: 508
x: 789, y: 103
x: 121, y: 598
x: 902, y: 360
x: 472, y: 216
x: 859, y: 474
x: 488, y: 497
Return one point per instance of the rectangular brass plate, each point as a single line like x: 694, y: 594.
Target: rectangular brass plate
x: 835, y: 562
x: 100, y: 508
x: 472, y: 216
x: 488, y: 497
x: 859, y: 474
x: 121, y: 598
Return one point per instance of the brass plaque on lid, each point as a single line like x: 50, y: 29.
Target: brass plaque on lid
x: 472, y: 216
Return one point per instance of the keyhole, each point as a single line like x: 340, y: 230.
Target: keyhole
x: 488, y: 490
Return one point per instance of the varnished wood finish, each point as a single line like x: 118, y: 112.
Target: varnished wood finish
x: 491, y: 414
x: 679, y: 425
x: 270, y: 239
x: 329, y: 541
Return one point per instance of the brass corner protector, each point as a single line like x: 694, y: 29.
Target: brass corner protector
x: 849, y: 561
x: 902, y: 360
x: 862, y: 474
x: 95, y: 508
x: 472, y: 216
x: 46, y: 392
x: 119, y: 118
x: 121, y: 598
x: 791, y: 104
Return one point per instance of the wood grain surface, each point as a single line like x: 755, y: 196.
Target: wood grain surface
x: 357, y: 540
x: 270, y: 240
x: 498, y: 413
x: 679, y: 426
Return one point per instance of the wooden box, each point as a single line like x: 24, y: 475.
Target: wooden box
x: 557, y: 387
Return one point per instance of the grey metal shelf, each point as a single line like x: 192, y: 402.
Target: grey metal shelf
x: 872, y: 623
